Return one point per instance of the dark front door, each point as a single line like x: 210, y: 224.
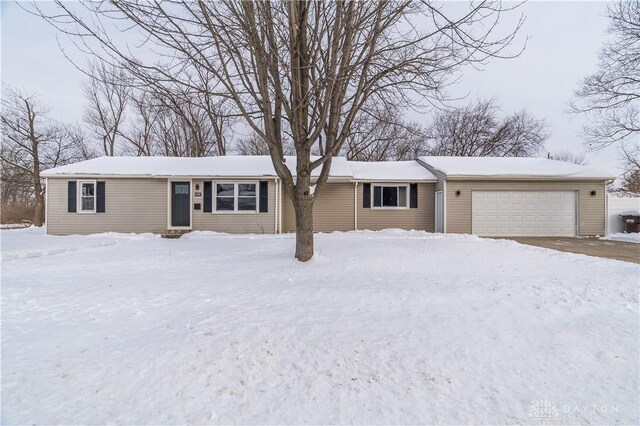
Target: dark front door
x: 180, y: 204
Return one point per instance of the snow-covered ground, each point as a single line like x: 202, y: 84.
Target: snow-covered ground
x: 380, y: 327
x: 633, y: 237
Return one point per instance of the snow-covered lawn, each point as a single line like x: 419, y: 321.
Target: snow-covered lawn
x: 633, y: 237
x: 380, y: 327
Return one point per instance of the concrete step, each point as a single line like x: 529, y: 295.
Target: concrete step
x: 174, y: 233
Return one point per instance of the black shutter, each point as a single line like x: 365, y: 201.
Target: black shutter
x: 264, y: 196
x: 100, y: 207
x: 71, y: 196
x: 377, y: 196
x: 413, y: 196
x: 208, y: 205
x: 366, y: 195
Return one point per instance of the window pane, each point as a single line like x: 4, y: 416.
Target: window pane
x: 246, y: 190
x: 87, y: 203
x: 377, y: 196
x: 390, y: 196
x: 247, y: 204
x: 224, y: 204
x: 402, y: 196
x: 87, y: 189
x: 181, y: 188
x: 224, y: 189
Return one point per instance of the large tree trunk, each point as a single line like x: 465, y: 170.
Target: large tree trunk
x: 38, y: 216
x: 304, y: 231
x: 303, y: 206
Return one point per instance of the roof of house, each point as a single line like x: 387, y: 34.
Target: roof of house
x: 390, y: 171
x: 512, y: 167
x: 236, y: 166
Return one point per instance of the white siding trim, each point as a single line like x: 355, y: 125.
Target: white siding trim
x: 46, y: 204
x: 275, y: 213
x: 280, y: 207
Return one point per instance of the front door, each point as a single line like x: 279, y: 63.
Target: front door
x: 180, y: 204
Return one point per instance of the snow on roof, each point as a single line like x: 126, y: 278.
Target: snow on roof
x: 390, y: 170
x: 236, y: 166
x: 504, y: 167
x: 227, y: 166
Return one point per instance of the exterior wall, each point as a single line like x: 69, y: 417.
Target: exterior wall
x: 234, y: 223
x: 131, y: 205
x: 141, y: 205
x: 591, y: 209
x: 332, y: 211
x: 421, y: 218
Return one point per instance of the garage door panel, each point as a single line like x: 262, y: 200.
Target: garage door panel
x: 524, y: 213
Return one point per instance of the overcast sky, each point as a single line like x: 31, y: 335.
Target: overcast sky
x: 564, y: 39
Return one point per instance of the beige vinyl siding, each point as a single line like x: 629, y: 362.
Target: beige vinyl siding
x: 590, y: 211
x: 421, y: 218
x: 234, y: 223
x: 333, y: 210
x: 131, y: 205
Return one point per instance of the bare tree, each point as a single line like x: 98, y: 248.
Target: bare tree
x: 380, y: 133
x: 139, y: 132
x: 254, y: 145
x: 31, y: 142
x: 631, y: 161
x: 611, y: 96
x: 301, y: 67
x: 168, y: 121
x: 568, y: 156
x: 107, y: 90
x: 478, y: 131
x: 251, y: 145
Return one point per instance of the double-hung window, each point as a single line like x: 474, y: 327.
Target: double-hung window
x: 236, y: 197
x: 390, y: 196
x: 87, y: 197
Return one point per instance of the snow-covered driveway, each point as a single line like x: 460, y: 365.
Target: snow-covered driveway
x: 381, y: 327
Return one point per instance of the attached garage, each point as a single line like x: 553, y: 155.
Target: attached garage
x: 509, y: 197
x: 524, y: 213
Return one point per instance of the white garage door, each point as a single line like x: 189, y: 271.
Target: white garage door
x: 524, y: 213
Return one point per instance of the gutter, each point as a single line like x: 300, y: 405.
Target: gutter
x: 527, y: 178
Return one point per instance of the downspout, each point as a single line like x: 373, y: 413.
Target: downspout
x: 444, y: 206
x: 355, y: 206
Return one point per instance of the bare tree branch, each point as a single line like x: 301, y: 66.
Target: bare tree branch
x: 611, y: 96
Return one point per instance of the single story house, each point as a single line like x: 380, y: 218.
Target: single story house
x: 243, y: 194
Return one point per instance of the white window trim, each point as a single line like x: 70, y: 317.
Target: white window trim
x: 391, y: 185
x: 79, y: 197
x: 214, y: 197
